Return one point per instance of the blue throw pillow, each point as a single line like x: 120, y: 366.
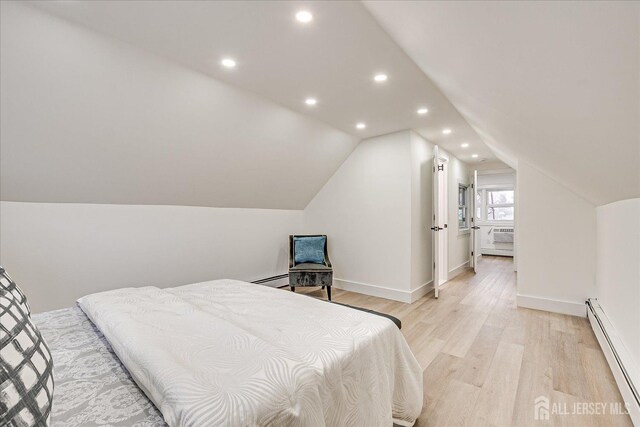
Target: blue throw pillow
x: 309, y: 249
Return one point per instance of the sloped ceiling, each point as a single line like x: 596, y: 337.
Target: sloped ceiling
x: 554, y: 84
x: 333, y: 59
x: 88, y: 119
x: 126, y: 102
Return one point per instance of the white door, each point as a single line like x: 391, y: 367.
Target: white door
x: 475, y: 229
x: 436, y: 222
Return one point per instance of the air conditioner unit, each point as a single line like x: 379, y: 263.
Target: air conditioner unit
x: 503, y: 235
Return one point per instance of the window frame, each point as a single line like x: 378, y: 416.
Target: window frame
x: 465, y: 207
x: 484, y: 211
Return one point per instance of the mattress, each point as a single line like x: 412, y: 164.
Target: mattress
x: 92, y: 387
x: 226, y: 352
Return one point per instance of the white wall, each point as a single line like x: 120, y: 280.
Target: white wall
x: 364, y: 208
x: 556, y: 244
x: 506, y: 179
x: 491, y: 165
x: 88, y: 119
x: 377, y: 212
x: 618, y: 271
x: 59, y: 252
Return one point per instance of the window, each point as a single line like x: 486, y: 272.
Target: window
x: 495, y: 204
x: 500, y: 205
x: 463, y: 214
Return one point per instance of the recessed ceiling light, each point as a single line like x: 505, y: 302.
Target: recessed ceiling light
x: 423, y: 110
x: 380, y: 78
x: 446, y: 131
x: 361, y: 125
x: 311, y: 101
x: 228, y: 62
x: 464, y: 145
x: 304, y: 16
x: 474, y: 156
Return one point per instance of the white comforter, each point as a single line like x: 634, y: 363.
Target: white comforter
x: 233, y: 353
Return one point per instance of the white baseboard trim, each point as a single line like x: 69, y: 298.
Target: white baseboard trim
x: 499, y: 252
x: 383, y: 292
x: 556, y: 306
x: 373, y: 290
x: 458, y: 270
x: 421, y: 291
x: 618, y: 358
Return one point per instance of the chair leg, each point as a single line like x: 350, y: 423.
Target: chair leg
x: 329, y: 293
x: 323, y: 288
x: 293, y: 289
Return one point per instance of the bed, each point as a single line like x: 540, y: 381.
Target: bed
x: 92, y: 387
x: 227, y: 353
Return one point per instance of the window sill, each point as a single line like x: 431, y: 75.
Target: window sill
x: 497, y: 223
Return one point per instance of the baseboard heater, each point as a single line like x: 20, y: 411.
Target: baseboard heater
x: 618, y: 358
x: 269, y: 281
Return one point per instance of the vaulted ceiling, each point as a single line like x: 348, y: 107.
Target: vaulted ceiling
x: 554, y: 84
x: 86, y: 119
x: 332, y: 59
x: 148, y: 115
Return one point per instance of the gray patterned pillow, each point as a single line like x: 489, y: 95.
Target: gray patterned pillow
x: 26, y: 367
x: 9, y: 287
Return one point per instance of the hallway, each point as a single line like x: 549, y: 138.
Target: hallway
x: 486, y: 361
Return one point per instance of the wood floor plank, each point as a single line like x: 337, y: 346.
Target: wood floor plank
x: 479, y: 358
x: 495, y: 403
x: 602, y: 387
x: 438, y: 374
x: 569, y: 376
x: 464, y: 334
x: 454, y: 405
x: 535, y: 381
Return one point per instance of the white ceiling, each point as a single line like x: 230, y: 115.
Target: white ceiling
x: 89, y: 119
x: 333, y: 59
x: 554, y: 84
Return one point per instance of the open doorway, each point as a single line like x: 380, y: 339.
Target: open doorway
x: 494, y: 215
x: 473, y: 215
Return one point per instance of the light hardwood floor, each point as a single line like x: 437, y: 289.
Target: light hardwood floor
x: 485, y: 361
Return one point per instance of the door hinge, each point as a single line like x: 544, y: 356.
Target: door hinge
x: 471, y: 253
x: 440, y: 168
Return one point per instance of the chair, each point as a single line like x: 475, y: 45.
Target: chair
x: 310, y: 274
